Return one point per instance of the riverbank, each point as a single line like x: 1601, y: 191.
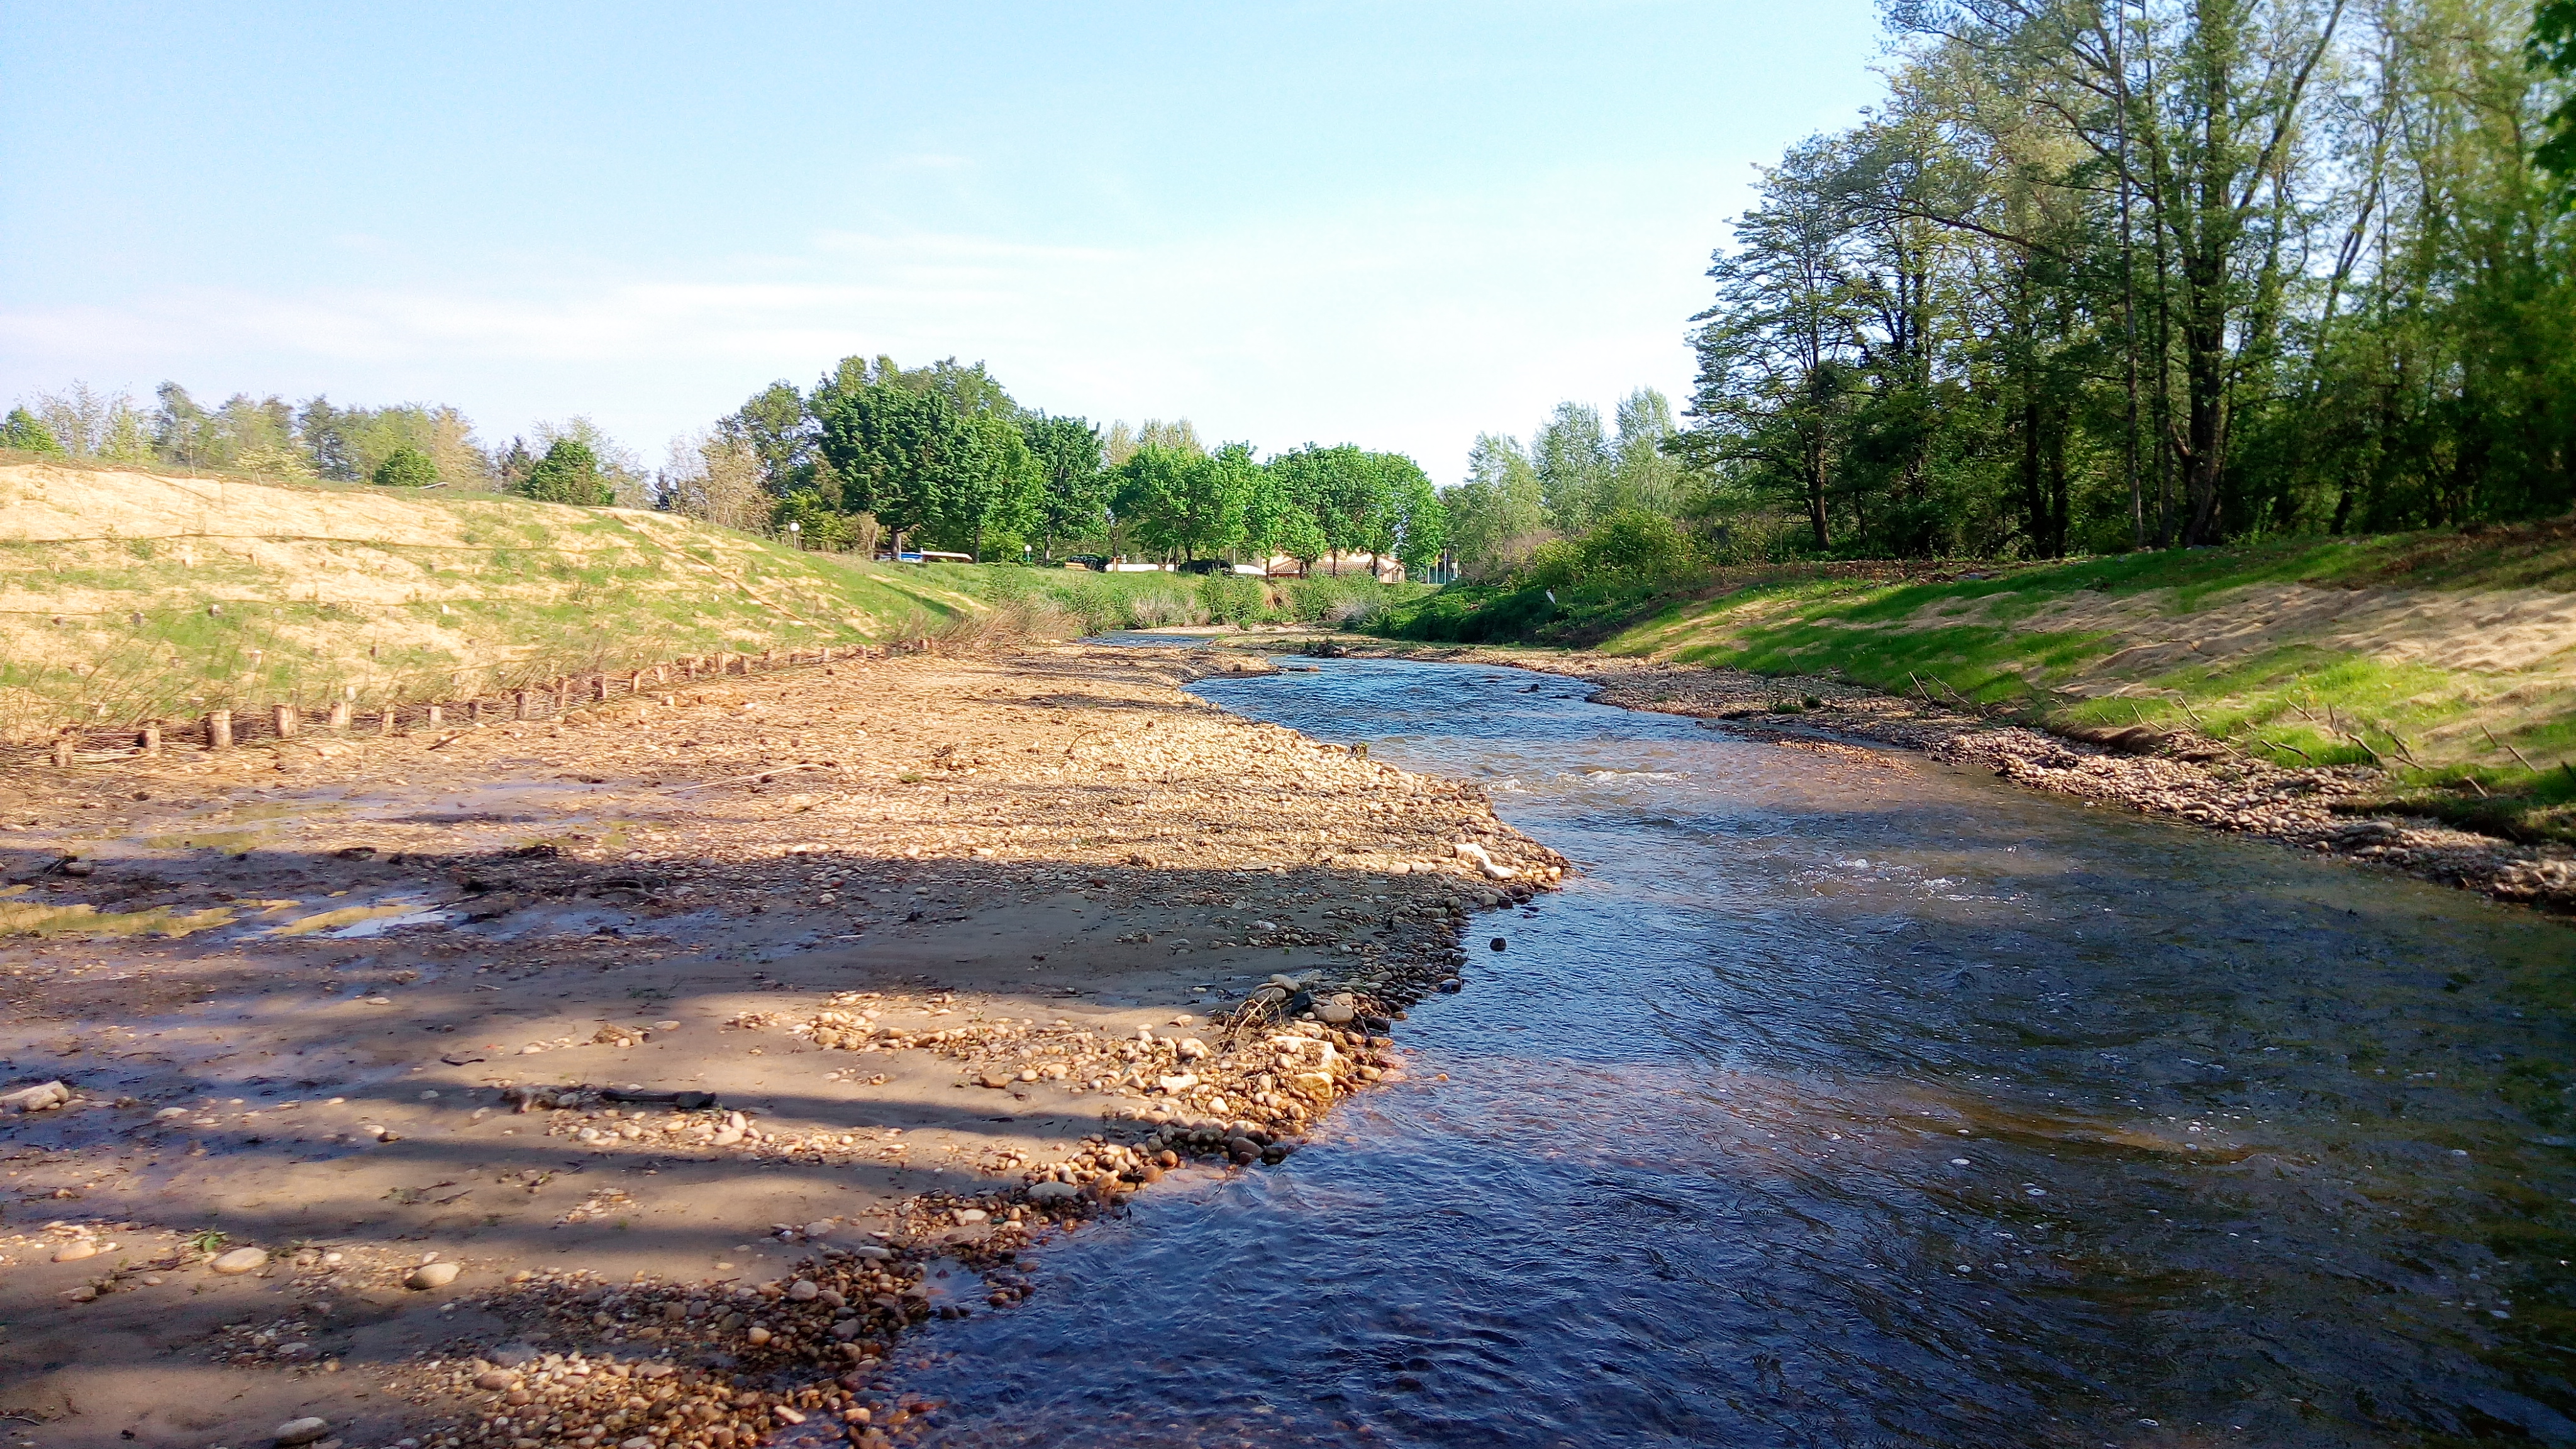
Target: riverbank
x: 2333, y: 810
x: 647, y: 1072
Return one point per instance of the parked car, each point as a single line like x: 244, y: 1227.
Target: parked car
x: 1097, y: 563
x: 1207, y: 566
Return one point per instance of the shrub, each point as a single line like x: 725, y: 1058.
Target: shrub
x: 27, y: 433
x: 568, y: 473
x: 1233, y: 599
x: 1632, y: 544
x: 406, y: 468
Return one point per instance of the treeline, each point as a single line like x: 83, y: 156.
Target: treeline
x: 410, y: 445
x: 936, y: 457
x: 941, y: 457
x: 1570, y: 479
x: 2107, y: 277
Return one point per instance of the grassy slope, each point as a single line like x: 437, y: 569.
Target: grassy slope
x: 2437, y: 655
x: 128, y: 595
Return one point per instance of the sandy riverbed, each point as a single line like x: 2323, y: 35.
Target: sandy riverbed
x: 713, y: 1039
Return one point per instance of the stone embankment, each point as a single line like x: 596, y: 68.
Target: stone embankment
x: 635, y: 1077
x: 2177, y: 776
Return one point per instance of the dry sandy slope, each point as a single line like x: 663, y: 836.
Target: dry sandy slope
x: 140, y: 592
x: 1026, y: 886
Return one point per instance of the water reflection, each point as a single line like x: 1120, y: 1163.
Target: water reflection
x: 1855, y: 1101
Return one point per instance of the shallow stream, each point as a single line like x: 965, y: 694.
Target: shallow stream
x: 1847, y: 1099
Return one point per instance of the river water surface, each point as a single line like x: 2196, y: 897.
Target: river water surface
x: 1847, y: 1099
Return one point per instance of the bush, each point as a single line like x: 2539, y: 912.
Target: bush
x: 1336, y: 599
x: 1632, y: 544
x: 406, y: 468
x: 568, y: 473
x: 1470, y: 614
x: 1233, y: 599
x: 25, y: 432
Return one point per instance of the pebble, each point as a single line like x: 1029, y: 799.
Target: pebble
x: 240, y: 1260
x: 42, y: 1097
x: 1054, y: 1192
x: 302, y: 1431
x: 495, y: 1379
x: 74, y: 1252
x: 432, y: 1275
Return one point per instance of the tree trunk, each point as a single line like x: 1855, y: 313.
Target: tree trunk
x: 1816, y: 496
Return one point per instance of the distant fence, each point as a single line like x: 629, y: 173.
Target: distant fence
x: 226, y: 729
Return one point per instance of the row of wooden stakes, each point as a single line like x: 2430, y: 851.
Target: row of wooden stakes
x: 222, y: 729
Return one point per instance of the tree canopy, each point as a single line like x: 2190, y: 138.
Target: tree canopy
x: 2163, y: 274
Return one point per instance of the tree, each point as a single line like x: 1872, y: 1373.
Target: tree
x: 1074, y: 497
x: 1185, y: 505
x: 1499, y: 514
x: 568, y: 473
x: 778, y: 431
x: 1574, y: 466
x: 406, y: 468
x: 1420, y: 521
x: 27, y: 433
x: 2552, y: 48
x: 1642, y: 475
x: 1776, y: 351
x: 718, y: 477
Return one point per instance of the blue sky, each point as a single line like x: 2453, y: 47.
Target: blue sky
x: 1388, y: 224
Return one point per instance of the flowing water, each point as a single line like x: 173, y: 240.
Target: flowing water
x: 1847, y: 1099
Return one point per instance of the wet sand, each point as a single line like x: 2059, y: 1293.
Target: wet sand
x: 889, y: 970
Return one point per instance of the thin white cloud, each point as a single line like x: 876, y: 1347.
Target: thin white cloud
x: 1412, y: 328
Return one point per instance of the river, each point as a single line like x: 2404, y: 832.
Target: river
x: 1842, y: 1099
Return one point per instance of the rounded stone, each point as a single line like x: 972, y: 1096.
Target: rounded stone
x: 432, y: 1275
x: 74, y: 1252
x: 302, y: 1431
x: 240, y: 1260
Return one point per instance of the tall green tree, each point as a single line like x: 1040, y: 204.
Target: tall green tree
x: 1183, y: 506
x: 1074, y: 499
x: 1499, y: 514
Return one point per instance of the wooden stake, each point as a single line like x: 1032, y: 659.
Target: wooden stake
x: 2508, y: 749
x: 340, y: 714
x: 283, y: 716
x: 219, y: 729
x: 519, y: 699
x: 437, y: 716
x: 62, y: 752
x: 150, y: 742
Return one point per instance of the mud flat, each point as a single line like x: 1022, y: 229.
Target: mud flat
x: 2181, y: 776
x: 636, y: 1079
